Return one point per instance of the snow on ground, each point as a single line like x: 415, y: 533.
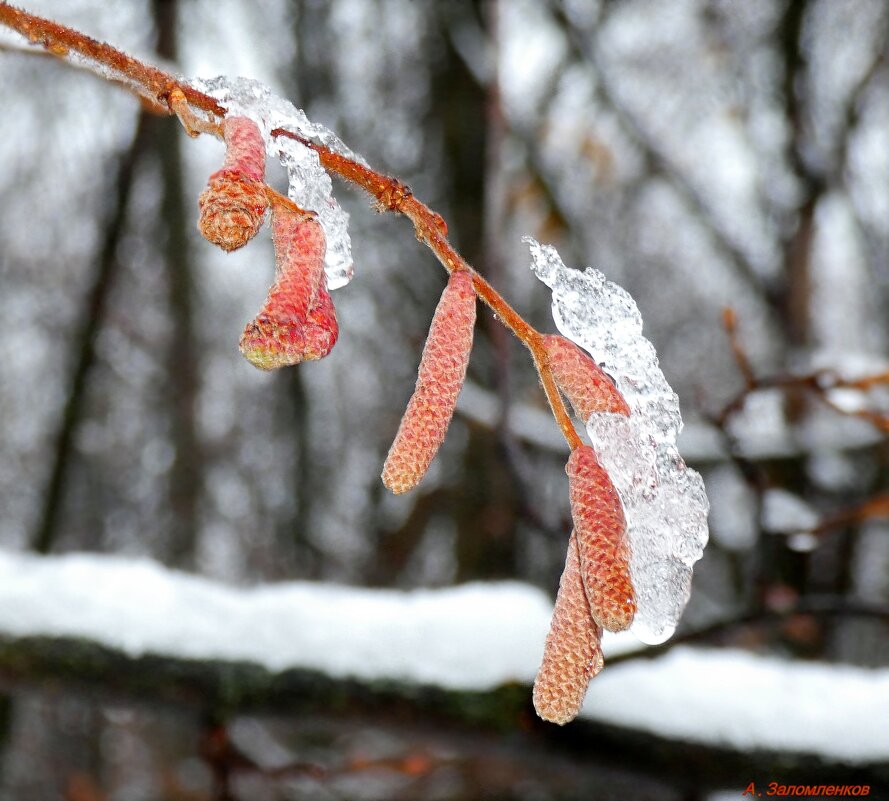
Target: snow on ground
x: 748, y: 701
x: 476, y: 636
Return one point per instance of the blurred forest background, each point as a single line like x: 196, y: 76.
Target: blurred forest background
x: 702, y: 153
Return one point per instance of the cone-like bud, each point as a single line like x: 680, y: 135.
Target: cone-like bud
x: 601, y: 537
x: 234, y: 203
x: 441, y: 374
x: 572, y: 655
x: 581, y: 380
x: 298, y: 321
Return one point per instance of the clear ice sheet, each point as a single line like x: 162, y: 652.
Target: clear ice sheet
x: 309, y: 185
x: 664, y: 501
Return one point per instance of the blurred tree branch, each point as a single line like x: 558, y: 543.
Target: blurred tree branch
x: 181, y: 364
x: 584, y: 46
x: 84, y: 350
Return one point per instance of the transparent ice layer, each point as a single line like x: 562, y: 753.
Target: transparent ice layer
x: 664, y: 501
x: 309, y: 184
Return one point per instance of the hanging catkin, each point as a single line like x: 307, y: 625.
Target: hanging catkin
x: 297, y: 322
x: 572, y: 655
x: 233, y: 205
x: 581, y: 380
x: 440, y: 377
x: 601, y: 538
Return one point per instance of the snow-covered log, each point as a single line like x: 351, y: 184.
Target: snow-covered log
x: 467, y: 653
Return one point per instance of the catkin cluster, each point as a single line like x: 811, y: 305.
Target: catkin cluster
x: 298, y: 323
x: 595, y: 591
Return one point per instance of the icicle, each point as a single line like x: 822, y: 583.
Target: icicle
x: 309, y: 186
x: 663, y: 500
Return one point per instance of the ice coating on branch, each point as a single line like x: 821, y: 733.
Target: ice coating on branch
x: 309, y: 184
x: 664, y: 501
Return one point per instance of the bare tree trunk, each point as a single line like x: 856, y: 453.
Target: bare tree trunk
x: 186, y: 471
x: 83, y: 354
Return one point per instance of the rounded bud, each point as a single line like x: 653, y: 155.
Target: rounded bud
x: 233, y: 205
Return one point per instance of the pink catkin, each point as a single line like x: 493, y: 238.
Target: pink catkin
x: 572, y: 655
x: 321, y: 329
x: 441, y: 374
x: 298, y: 321
x: 601, y: 538
x: 233, y: 205
x: 244, y: 148
x: 581, y: 380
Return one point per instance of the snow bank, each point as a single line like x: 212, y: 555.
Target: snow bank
x: 472, y: 637
x: 476, y: 636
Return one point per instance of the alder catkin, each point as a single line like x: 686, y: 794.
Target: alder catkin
x: 298, y: 321
x: 321, y: 329
x: 601, y: 538
x: 440, y: 377
x: 233, y: 205
x: 581, y: 380
x: 572, y: 655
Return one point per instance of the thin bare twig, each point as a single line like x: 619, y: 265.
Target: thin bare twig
x: 816, y: 606
x: 61, y: 41
x: 392, y: 195
x: 585, y: 49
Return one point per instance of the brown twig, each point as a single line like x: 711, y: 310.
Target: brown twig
x: 61, y: 41
x: 873, y: 508
x: 730, y: 323
x: 818, y: 383
x: 816, y: 606
x: 392, y: 195
x: 179, y: 98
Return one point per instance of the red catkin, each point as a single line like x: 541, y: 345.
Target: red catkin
x: 572, y: 655
x: 244, y: 148
x: 601, y: 527
x: 581, y: 380
x: 233, y: 205
x: 298, y: 321
x: 441, y: 374
x: 321, y: 329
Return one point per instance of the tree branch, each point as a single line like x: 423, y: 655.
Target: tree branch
x: 817, y: 606
x: 659, y: 164
x: 107, y: 263
x: 60, y: 41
